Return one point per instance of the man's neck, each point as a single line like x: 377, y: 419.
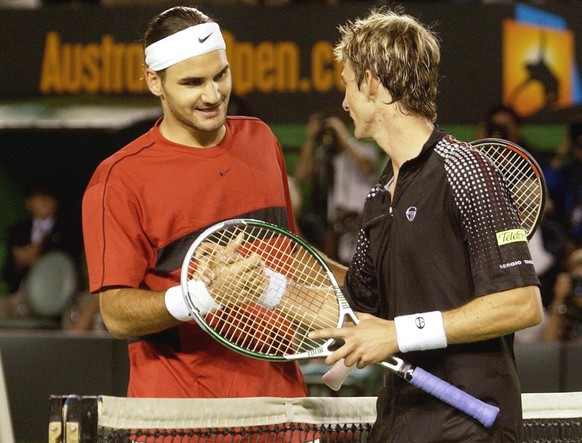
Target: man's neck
x: 186, y: 136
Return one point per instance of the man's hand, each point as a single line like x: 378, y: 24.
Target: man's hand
x: 370, y: 341
x: 239, y: 281
x: 231, y: 277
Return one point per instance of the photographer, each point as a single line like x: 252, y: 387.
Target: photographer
x: 338, y: 172
x: 564, y: 322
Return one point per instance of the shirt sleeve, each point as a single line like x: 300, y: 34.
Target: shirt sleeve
x: 116, y: 247
x: 498, y: 247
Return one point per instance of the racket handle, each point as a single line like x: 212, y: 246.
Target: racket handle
x: 448, y: 393
x: 335, y: 377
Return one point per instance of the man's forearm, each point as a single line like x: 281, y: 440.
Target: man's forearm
x: 494, y: 315
x: 129, y: 312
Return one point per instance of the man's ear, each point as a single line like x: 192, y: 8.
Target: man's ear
x: 374, y: 89
x: 371, y: 84
x: 153, y: 81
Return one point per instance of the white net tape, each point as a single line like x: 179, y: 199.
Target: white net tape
x: 127, y: 413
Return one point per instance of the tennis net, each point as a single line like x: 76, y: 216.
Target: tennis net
x: 553, y: 417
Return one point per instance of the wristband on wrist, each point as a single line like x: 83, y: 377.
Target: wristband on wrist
x: 176, y: 305
x: 420, y: 332
x: 199, y: 296
x: 275, y: 289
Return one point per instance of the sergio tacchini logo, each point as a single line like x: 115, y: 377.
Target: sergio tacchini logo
x: 411, y: 213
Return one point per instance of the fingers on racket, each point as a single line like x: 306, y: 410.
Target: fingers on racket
x: 523, y: 177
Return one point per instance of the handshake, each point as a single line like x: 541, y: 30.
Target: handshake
x: 222, y: 276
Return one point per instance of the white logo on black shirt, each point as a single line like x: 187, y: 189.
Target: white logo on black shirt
x: 411, y: 213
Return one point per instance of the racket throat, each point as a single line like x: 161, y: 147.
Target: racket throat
x: 402, y: 368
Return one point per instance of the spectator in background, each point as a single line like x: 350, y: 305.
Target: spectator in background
x: 43, y: 231
x: 564, y: 320
x: 564, y: 181
x: 339, y: 171
x: 548, y: 248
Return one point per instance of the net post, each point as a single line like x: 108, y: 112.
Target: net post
x: 72, y: 412
x: 55, y: 427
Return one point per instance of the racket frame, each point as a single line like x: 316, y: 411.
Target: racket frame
x: 320, y: 351
x: 479, y: 145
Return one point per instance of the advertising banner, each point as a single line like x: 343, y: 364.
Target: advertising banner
x: 282, y: 62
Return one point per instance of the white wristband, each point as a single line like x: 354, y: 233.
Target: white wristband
x: 275, y: 290
x: 199, y: 296
x: 420, y: 332
x: 176, y: 305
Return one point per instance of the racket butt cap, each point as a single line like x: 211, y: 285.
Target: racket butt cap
x: 335, y: 377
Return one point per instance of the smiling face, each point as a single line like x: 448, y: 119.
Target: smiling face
x: 194, y: 95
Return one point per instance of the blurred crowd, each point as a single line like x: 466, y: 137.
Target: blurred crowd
x: 337, y: 172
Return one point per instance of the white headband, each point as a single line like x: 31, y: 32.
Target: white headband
x: 190, y: 42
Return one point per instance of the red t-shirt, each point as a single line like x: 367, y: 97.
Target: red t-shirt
x: 141, y: 210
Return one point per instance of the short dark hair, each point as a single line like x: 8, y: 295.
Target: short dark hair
x: 40, y: 188
x: 173, y: 20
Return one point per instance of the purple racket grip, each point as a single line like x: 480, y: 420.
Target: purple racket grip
x: 483, y: 412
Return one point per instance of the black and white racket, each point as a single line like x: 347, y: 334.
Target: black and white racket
x: 302, y: 296
x: 524, y: 181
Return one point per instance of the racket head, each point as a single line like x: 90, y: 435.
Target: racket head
x: 241, y: 322
x: 523, y: 177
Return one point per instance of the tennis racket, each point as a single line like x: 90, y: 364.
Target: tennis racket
x: 523, y: 178
x: 303, y: 295
x: 524, y: 181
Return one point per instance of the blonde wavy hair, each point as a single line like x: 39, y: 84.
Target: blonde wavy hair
x: 401, y: 51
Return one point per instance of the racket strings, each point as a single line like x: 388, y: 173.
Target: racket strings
x: 305, y: 310
x: 521, y: 180
x: 241, y: 318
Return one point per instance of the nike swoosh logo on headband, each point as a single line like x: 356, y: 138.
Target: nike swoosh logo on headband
x: 202, y: 40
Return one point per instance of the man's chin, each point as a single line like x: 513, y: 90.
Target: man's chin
x: 212, y: 124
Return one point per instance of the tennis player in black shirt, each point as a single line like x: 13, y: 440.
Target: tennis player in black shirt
x: 432, y: 247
